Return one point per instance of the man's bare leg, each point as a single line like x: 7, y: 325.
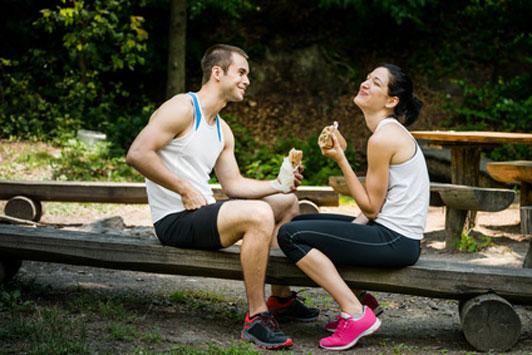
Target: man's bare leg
x: 253, y: 222
x: 285, y: 207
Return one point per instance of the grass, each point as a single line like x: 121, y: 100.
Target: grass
x: 36, y: 319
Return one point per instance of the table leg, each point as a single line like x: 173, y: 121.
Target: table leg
x: 465, y: 166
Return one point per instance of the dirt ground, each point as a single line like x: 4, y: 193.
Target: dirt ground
x: 410, y: 324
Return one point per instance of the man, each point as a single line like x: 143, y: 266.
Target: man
x: 176, y: 152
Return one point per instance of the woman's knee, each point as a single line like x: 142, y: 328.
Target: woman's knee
x: 285, y: 236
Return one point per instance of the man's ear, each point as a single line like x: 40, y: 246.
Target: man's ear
x: 217, y: 72
x: 392, y: 102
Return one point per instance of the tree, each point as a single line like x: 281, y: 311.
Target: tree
x: 175, y: 82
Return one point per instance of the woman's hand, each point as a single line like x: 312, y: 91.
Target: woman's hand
x: 335, y: 153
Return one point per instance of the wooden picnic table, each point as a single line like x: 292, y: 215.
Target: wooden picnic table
x: 465, y: 148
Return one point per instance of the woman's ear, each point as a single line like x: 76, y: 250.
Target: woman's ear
x: 392, y: 102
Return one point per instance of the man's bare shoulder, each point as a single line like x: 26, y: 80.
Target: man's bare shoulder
x: 178, y: 107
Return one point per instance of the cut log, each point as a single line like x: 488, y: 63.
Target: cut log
x: 22, y: 207
x: 489, y: 322
x: 112, y: 192
x: 307, y: 207
x: 427, y: 278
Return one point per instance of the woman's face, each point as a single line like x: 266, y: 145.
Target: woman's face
x: 373, y: 92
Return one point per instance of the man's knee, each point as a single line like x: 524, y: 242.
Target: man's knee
x: 259, y: 214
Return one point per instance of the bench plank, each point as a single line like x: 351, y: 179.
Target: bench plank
x: 126, y: 192
x: 511, y: 171
x: 455, y: 196
x: 426, y: 278
x: 519, y: 171
x: 474, y: 198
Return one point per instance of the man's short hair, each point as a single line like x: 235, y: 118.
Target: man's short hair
x: 218, y: 55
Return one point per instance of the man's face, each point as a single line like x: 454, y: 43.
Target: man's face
x: 235, y: 81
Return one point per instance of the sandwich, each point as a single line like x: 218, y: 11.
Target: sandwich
x: 294, y: 157
x: 325, y: 139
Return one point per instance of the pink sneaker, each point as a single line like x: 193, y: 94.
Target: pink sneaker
x: 349, y: 331
x: 366, y: 299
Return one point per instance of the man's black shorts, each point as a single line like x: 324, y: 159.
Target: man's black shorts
x: 194, y: 229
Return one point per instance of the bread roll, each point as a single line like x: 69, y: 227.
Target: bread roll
x: 325, y: 140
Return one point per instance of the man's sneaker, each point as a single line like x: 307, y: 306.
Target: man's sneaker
x: 349, y: 330
x: 366, y: 299
x: 292, y: 310
x: 263, y: 330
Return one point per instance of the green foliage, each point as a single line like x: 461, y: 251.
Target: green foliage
x: 12, y: 300
x: 51, y: 92
x: 80, y: 162
x: 262, y: 161
x: 471, y: 244
x: 505, y: 107
x: 400, y: 11
x: 234, y: 8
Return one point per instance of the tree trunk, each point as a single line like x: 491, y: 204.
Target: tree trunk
x: 175, y: 82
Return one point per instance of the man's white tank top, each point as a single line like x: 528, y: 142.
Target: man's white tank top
x: 406, y: 205
x: 191, y: 157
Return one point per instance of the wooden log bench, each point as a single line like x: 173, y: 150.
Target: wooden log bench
x: 24, y: 197
x: 519, y: 172
x: 488, y: 319
x: 459, y: 198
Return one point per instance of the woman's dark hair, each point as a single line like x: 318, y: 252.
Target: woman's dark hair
x: 401, y: 85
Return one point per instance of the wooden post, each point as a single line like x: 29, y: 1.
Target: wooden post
x: 489, y: 322
x: 24, y: 208
x: 454, y: 225
x: 9, y: 267
x: 526, y: 228
x: 465, y: 163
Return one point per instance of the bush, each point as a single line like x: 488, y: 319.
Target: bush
x: 80, y: 162
x: 261, y: 161
x: 504, y: 107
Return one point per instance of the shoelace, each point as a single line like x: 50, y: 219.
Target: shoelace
x: 270, y: 322
x: 341, y: 326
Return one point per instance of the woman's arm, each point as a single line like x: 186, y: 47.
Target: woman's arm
x: 369, y: 198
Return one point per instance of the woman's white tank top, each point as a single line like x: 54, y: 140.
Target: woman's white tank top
x: 406, y: 205
x: 191, y: 157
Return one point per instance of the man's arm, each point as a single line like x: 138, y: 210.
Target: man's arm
x: 173, y: 119
x: 233, y: 183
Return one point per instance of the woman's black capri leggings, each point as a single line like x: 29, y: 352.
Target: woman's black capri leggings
x: 347, y: 243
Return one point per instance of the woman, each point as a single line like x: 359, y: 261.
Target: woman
x: 394, y: 204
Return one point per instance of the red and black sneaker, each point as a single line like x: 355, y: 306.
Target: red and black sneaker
x: 291, y: 309
x: 263, y: 330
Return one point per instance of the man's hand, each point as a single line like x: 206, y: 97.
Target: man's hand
x: 193, y: 199
x: 361, y: 219
x: 298, y: 176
